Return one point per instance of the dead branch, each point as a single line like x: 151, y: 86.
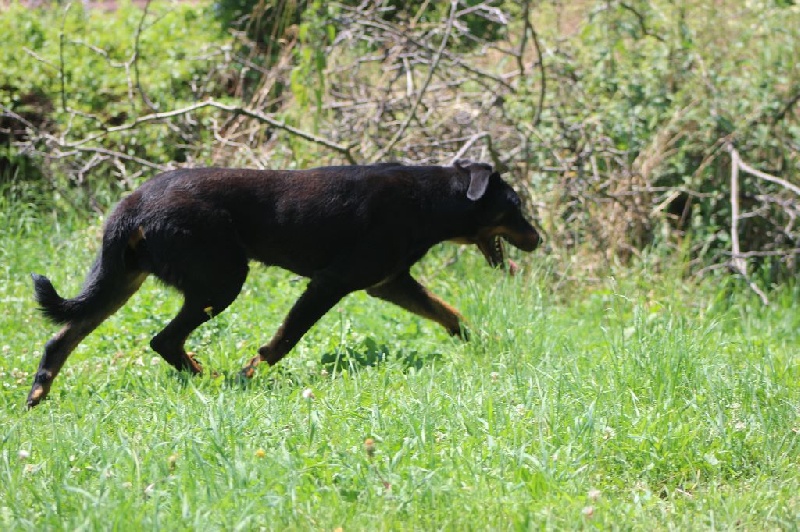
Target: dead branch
x: 528, y: 28
x: 137, y: 55
x: 251, y: 113
x: 738, y: 263
x: 467, y: 145
x: 435, y: 63
x: 767, y: 177
x: 457, y: 61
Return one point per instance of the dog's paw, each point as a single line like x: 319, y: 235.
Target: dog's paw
x: 36, y: 395
x: 192, y: 364
x: 247, y: 372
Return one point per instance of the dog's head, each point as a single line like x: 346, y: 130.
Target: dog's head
x: 497, y: 215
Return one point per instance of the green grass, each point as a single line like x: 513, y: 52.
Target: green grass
x: 641, y: 402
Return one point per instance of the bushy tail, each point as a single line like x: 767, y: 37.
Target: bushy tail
x: 105, y: 288
x: 53, y: 306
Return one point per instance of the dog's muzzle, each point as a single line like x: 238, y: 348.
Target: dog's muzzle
x: 491, y: 245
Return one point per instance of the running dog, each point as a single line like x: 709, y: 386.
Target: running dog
x: 346, y: 228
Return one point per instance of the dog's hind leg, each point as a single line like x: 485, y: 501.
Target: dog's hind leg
x: 209, y: 292
x: 197, y: 251
x: 404, y: 291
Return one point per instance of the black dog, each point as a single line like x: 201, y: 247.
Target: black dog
x: 346, y: 228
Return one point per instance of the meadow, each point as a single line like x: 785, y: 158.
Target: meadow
x: 640, y: 400
x: 612, y: 387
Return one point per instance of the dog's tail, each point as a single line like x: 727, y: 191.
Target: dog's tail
x: 111, y: 281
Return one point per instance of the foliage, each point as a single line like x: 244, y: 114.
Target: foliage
x: 109, y: 76
x: 643, y: 99
x: 641, y: 401
x: 266, y: 22
x: 614, y: 119
x: 307, y: 80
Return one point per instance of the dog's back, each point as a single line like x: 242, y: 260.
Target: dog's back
x: 300, y: 220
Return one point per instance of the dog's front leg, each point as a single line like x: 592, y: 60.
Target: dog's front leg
x: 321, y: 294
x: 404, y: 291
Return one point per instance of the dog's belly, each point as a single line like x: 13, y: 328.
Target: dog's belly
x: 358, y: 263
x: 301, y: 256
x: 306, y: 265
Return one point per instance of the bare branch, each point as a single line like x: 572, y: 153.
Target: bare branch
x: 399, y: 133
x: 252, y: 113
x: 447, y: 55
x: 109, y: 153
x: 738, y: 263
x: 62, y: 75
x: 642, y: 22
x: 40, y: 58
x: 261, y: 117
x: 767, y: 177
x: 787, y: 107
x: 528, y: 27
x: 781, y: 253
x: 137, y: 55
x: 467, y: 145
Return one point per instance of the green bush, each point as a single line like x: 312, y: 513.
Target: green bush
x: 640, y: 104
x: 74, y: 73
x: 628, y: 150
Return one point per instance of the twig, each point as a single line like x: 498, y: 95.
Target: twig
x: 11, y: 114
x: 109, y: 153
x: 40, y: 58
x: 136, y: 54
x: 738, y: 263
x: 447, y: 55
x: 252, y: 113
x: 642, y: 21
x: 767, y: 177
x: 399, y: 133
x: 754, y: 287
x: 467, y: 145
x: 61, y: 73
x: 261, y: 117
x: 520, y: 56
x: 535, y: 36
x: 497, y: 162
x: 782, y: 253
x: 409, y: 77
x: 786, y: 107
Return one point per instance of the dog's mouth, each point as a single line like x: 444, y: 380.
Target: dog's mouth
x: 492, y: 249
x: 491, y: 245
x: 494, y: 252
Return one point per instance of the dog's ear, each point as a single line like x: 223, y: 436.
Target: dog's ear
x: 479, y: 174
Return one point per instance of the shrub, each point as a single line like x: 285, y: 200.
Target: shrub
x: 78, y: 73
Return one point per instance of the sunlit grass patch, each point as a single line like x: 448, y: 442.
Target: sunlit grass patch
x: 639, y: 402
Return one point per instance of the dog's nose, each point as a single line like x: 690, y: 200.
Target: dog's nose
x: 536, y: 239
x: 529, y: 240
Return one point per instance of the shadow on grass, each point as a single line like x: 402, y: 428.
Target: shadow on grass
x: 371, y: 354
x: 351, y: 359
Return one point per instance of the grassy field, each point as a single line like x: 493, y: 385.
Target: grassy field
x: 639, y: 402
